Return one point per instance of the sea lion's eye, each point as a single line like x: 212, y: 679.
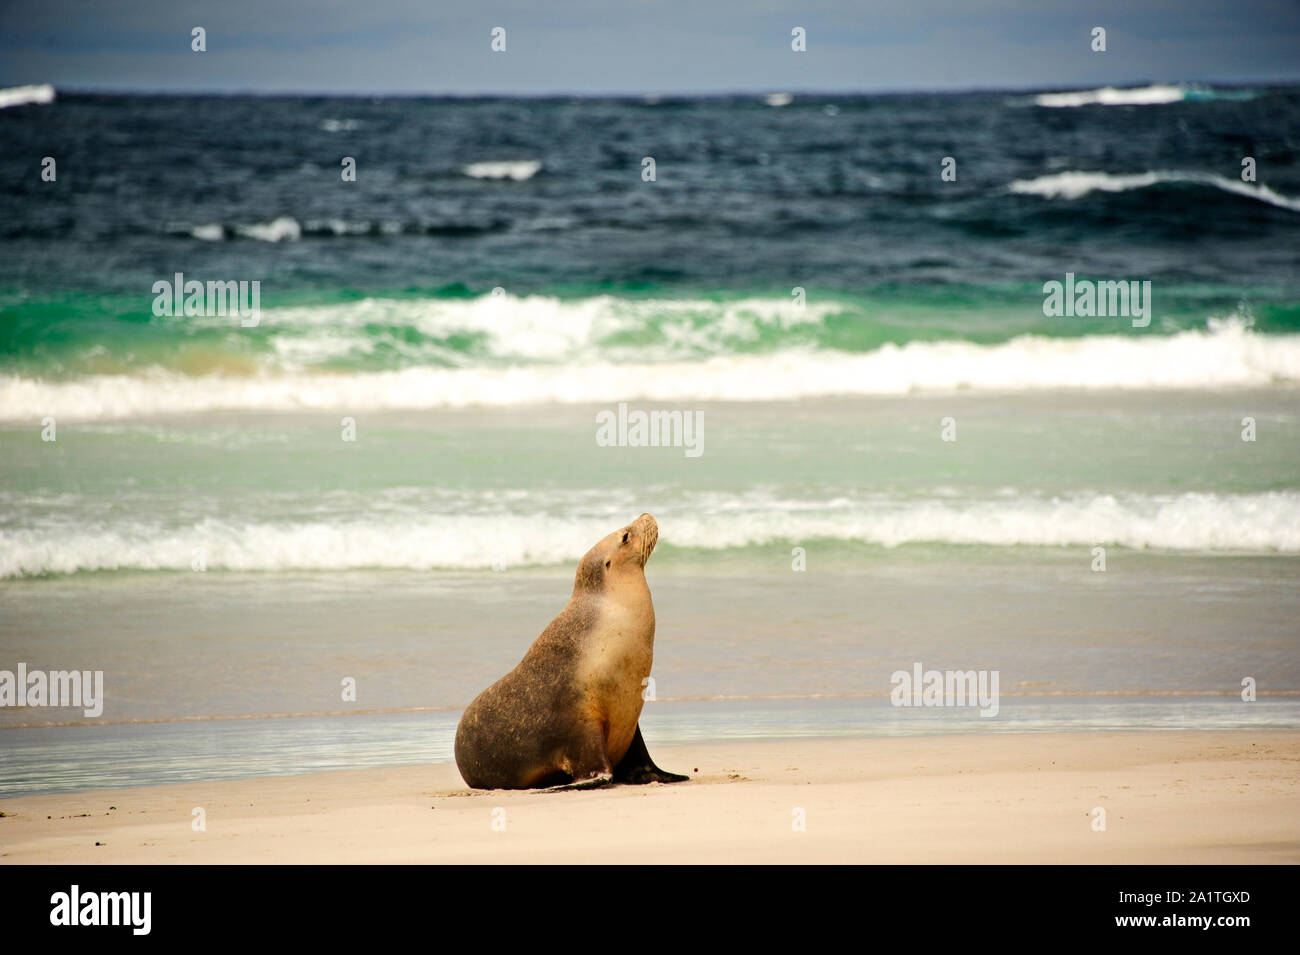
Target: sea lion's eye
x: 625, y: 537
x: 607, y: 565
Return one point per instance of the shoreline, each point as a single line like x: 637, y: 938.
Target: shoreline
x: 1052, y: 695
x: 1191, y: 796
x: 45, y: 760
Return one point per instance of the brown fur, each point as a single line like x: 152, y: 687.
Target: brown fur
x: 568, y: 712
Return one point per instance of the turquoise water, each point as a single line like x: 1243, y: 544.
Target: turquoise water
x: 77, y: 334
x: 466, y: 489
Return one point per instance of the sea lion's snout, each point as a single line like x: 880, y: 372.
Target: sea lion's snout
x: 648, y: 531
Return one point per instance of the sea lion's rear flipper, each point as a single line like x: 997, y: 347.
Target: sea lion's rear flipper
x: 586, y: 764
x: 637, y: 768
x: 591, y: 782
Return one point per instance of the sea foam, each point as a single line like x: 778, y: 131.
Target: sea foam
x: 1228, y: 355
x: 411, y: 538
x: 518, y: 170
x: 35, y: 95
x: 1075, y: 184
x: 1155, y: 95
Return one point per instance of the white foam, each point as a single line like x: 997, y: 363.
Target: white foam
x: 518, y: 170
x: 288, y: 229
x: 1074, y: 184
x: 778, y: 99
x: 1226, y: 356
x: 1267, y: 522
x: 36, y: 95
x: 282, y: 229
x: 1155, y: 95
x: 537, y: 327
x: 212, y: 232
x: 341, y: 227
x: 411, y: 538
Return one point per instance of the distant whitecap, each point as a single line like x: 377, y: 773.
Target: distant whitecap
x: 518, y: 170
x: 26, y: 95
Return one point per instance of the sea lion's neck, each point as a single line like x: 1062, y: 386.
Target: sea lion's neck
x: 625, y: 588
x: 621, y: 606
x: 620, y: 643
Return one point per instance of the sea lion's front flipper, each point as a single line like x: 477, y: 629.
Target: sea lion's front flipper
x: 637, y: 768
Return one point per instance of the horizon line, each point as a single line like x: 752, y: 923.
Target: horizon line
x: 649, y: 94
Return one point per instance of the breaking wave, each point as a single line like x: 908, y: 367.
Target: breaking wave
x: 518, y: 170
x: 569, y: 361
x: 35, y: 95
x: 409, y: 537
x: 1074, y: 185
x: 1158, y: 94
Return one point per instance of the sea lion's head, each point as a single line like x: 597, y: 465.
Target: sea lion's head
x: 620, y: 555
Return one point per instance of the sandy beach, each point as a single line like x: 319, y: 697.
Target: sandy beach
x: 1176, y: 797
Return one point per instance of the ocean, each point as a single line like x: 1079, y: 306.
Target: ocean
x: 387, y: 474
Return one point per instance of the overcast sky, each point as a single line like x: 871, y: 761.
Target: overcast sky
x: 640, y: 46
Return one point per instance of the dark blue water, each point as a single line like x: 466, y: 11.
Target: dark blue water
x: 836, y: 192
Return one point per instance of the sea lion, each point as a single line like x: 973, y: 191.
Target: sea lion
x: 568, y: 713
